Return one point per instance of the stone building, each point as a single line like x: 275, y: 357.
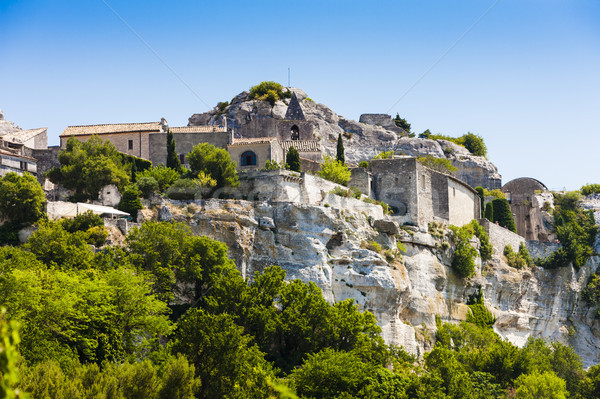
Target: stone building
x: 527, y: 198
x: 418, y: 195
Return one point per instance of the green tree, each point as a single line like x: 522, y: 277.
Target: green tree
x: 463, y: 258
x: 147, y: 185
x: 9, y: 357
x: 474, y: 143
x: 215, y: 163
x: 402, y: 123
x: 334, y: 171
x: 489, y: 211
x: 173, y: 161
x: 481, y: 192
x: 440, y: 164
x: 88, y: 166
x: 130, y: 201
x: 340, y: 150
x: 226, y: 362
x: 540, y: 386
x: 590, y: 188
x: 292, y: 159
x: 269, y: 91
x: 22, y: 199
x: 163, y: 175
x: 503, y: 215
x: 172, y: 254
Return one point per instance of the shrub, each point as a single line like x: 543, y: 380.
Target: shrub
x: 96, y: 236
x: 340, y: 150
x: 82, y: 222
x: 503, y: 214
x: 478, y: 313
x: 352, y: 192
x: 183, y: 189
x: 22, y: 199
x: 292, y: 159
x: 588, y: 189
x: 481, y: 192
x: 221, y: 106
x: 130, y: 201
x: 334, y: 171
x: 371, y: 246
x: 402, y: 123
x: 213, y: 162
x: 463, y: 259
x: 384, y: 155
x: 163, y: 175
x: 440, y: 164
x: 496, y: 193
x: 269, y: 91
x: 513, y: 259
x: 364, y: 164
x: 147, y: 186
x: 274, y: 165
x: 474, y: 144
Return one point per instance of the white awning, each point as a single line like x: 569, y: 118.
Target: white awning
x: 99, y: 209
x: 60, y: 209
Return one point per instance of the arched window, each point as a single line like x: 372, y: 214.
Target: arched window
x: 248, y: 158
x: 295, y: 133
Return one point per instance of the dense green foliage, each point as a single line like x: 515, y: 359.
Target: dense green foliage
x: 489, y: 211
x: 292, y: 159
x: 440, y: 164
x: 384, y: 155
x: 269, y: 91
x: 22, y: 199
x: 147, y: 186
x: 9, y: 357
x: 340, y: 157
x: 503, y: 215
x: 481, y: 193
x: 478, y: 313
x: 274, y: 165
x: 590, y: 188
x: 472, y: 142
x: 334, y: 171
x: 520, y: 259
x: 130, y: 201
x: 135, y: 164
x: 214, y: 163
x: 163, y: 175
x: 402, y: 123
x: 173, y: 161
x: 463, y: 258
x: 576, y: 230
x: 86, y: 167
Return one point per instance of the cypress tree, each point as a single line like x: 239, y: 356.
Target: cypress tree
x: 503, y: 214
x: 340, y: 149
x: 293, y: 159
x: 489, y: 212
x: 480, y: 191
x: 172, y: 158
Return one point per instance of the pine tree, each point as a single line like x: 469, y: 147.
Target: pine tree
x: 172, y: 158
x: 480, y: 191
x: 340, y: 149
x: 503, y: 214
x: 293, y: 159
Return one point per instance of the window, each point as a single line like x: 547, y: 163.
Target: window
x: 23, y: 165
x: 182, y: 158
x: 130, y: 144
x: 248, y: 158
x: 423, y: 182
x: 295, y: 133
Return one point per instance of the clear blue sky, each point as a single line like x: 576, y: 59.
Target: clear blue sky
x: 526, y: 77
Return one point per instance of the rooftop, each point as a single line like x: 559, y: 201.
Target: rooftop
x: 109, y: 128
x: 258, y: 140
x: 197, y: 129
x: 301, y: 145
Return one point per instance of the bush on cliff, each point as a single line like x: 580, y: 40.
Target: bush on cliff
x: 269, y: 91
x: 334, y: 171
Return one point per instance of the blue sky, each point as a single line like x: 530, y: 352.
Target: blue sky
x: 526, y: 77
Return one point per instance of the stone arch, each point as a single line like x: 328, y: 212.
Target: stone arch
x: 295, y: 132
x: 248, y: 158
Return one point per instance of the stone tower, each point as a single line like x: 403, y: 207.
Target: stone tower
x: 294, y: 111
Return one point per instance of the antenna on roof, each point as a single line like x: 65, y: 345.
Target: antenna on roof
x: 289, y: 77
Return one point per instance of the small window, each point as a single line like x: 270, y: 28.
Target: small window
x: 454, y: 191
x: 23, y: 165
x: 130, y: 144
x: 295, y: 132
x: 248, y: 158
x: 182, y: 158
x: 423, y: 182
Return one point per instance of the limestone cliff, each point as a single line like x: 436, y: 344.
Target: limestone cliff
x: 334, y: 248
x: 362, y: 140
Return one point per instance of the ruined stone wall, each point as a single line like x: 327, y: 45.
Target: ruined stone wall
x: 439, y: 191
x: 395, y: 183
x: 184, y: 143
x: 464, y: 204
x: 308, y: 165
x: 46, y: 160
x: 361, y: 179
x: 501, y: 237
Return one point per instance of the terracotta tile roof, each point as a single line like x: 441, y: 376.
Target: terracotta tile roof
x: 148, y: 127
x: 197, y: 129
x: 258, y: 140
x: 301, y: 145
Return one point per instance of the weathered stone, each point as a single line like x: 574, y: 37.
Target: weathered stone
x: 266, y: 223
x: 164, y: 214
x: 386, y: 226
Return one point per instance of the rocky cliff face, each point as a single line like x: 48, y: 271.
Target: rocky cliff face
x: 334, y: 248
x: 362, y: 140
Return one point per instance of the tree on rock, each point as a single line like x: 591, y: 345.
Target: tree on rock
x: 503, y: 214
x: 292, y: 158
x: 173, y: 161
x: 22, y: 199
x: 215, y: 163
x: 334, y: 171
x: 86, y: 167
x: 402, y: 123
x: 340, y: 149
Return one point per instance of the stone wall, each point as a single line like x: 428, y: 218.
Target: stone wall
x: 184, y: 143
x: 263, y: 151
x: 464, y: 203
x: 541, y: 249
x: 309, y: 165
x: 46, y: 160
x: 140, y: 142
x: 501, y: 237
x: 361, y: 179
x: 395, y: 183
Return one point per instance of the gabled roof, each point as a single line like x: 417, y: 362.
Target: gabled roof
x: 111, y: 128
x: 294, y: 110
x: 197, y: 129
x: 22, y: 136
x: 301, y: 145
x: 258, y: 140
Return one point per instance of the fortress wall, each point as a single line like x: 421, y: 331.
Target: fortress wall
x: 463, y: 203
x: 501, y: 237
x: 184, y: 143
